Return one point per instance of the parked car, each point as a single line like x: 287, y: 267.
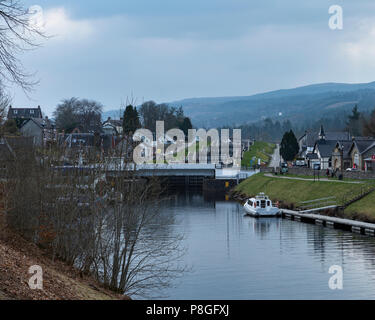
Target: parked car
x: 352, y: 169
x: 300, y: 163
x: 316, y: 166
x: 284, y: 168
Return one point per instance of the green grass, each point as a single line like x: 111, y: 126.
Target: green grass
x: 295, y: 191
x: 364, y: 207
x: 323, y: 176
x: 261, y: 150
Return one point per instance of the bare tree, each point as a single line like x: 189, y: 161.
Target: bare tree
x: 108, y: 225
x: 5, y: 102
x: 89, y: 114
x: 17, y: 34
x: 139, y: 253
x: 82, y: 113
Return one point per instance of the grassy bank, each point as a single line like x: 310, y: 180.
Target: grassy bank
x: 296, y: 191
x: 260, y: 150
x: 364, y: 207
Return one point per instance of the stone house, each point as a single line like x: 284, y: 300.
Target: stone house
x: 113, y: 127
x: 323, y: 149
x: 307, y: 141
x: 24, y: 113
x: 362, y: 153
x: 341, y: 159
x: 42, y: 131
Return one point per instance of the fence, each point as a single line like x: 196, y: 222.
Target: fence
x: 350, y: 198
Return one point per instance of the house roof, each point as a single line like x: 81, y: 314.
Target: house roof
x: 345, y: 146
x: 338, y: 136
x: 24, y: 113
x: 325, y: 147
x: 312, y: 156
x: 363, y: 145
x: 313, y: 136
x: 41, y: 123
x: 113, y: 122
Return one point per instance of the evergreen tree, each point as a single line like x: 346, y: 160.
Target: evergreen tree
x: 354, y: 124
x: 186, y: 125
x: 131, y: 120
x: 289, y: 146
x: 369, y: 125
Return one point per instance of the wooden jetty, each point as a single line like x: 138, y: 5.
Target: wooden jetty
x: 310, y: 217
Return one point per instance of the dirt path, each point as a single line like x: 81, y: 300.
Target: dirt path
x: 305, y: 179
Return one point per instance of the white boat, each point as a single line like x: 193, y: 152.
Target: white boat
x: 261, y: 206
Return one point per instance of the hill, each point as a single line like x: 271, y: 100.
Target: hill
x: 297, y: 104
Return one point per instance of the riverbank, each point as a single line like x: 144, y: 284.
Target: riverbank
x: 291, y: 192
x: 60, y: 282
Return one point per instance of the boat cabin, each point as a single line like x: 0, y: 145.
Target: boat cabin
x: 260, y: 201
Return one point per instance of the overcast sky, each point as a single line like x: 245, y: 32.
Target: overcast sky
x: 167, y: 50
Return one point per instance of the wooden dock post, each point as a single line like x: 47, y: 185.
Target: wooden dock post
x: 370, y: 232
x: 330, y: 224
x: 356, y: 229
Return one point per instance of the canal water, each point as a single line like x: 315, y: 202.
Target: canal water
x: 237, y: 257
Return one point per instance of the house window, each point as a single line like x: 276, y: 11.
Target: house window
x: 31, y: 111
x: 15, y: 111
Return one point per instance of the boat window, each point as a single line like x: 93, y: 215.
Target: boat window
x: 268, y: 203
x: 257, y: 203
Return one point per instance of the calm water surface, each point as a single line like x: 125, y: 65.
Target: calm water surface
x: 237, y: 257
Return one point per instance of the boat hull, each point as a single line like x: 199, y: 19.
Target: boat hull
x: 260, y: 212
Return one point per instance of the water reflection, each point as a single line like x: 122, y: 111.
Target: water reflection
x: 262, y: 226
x: 237, y: 257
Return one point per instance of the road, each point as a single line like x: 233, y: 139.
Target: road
x: 276, y: 159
